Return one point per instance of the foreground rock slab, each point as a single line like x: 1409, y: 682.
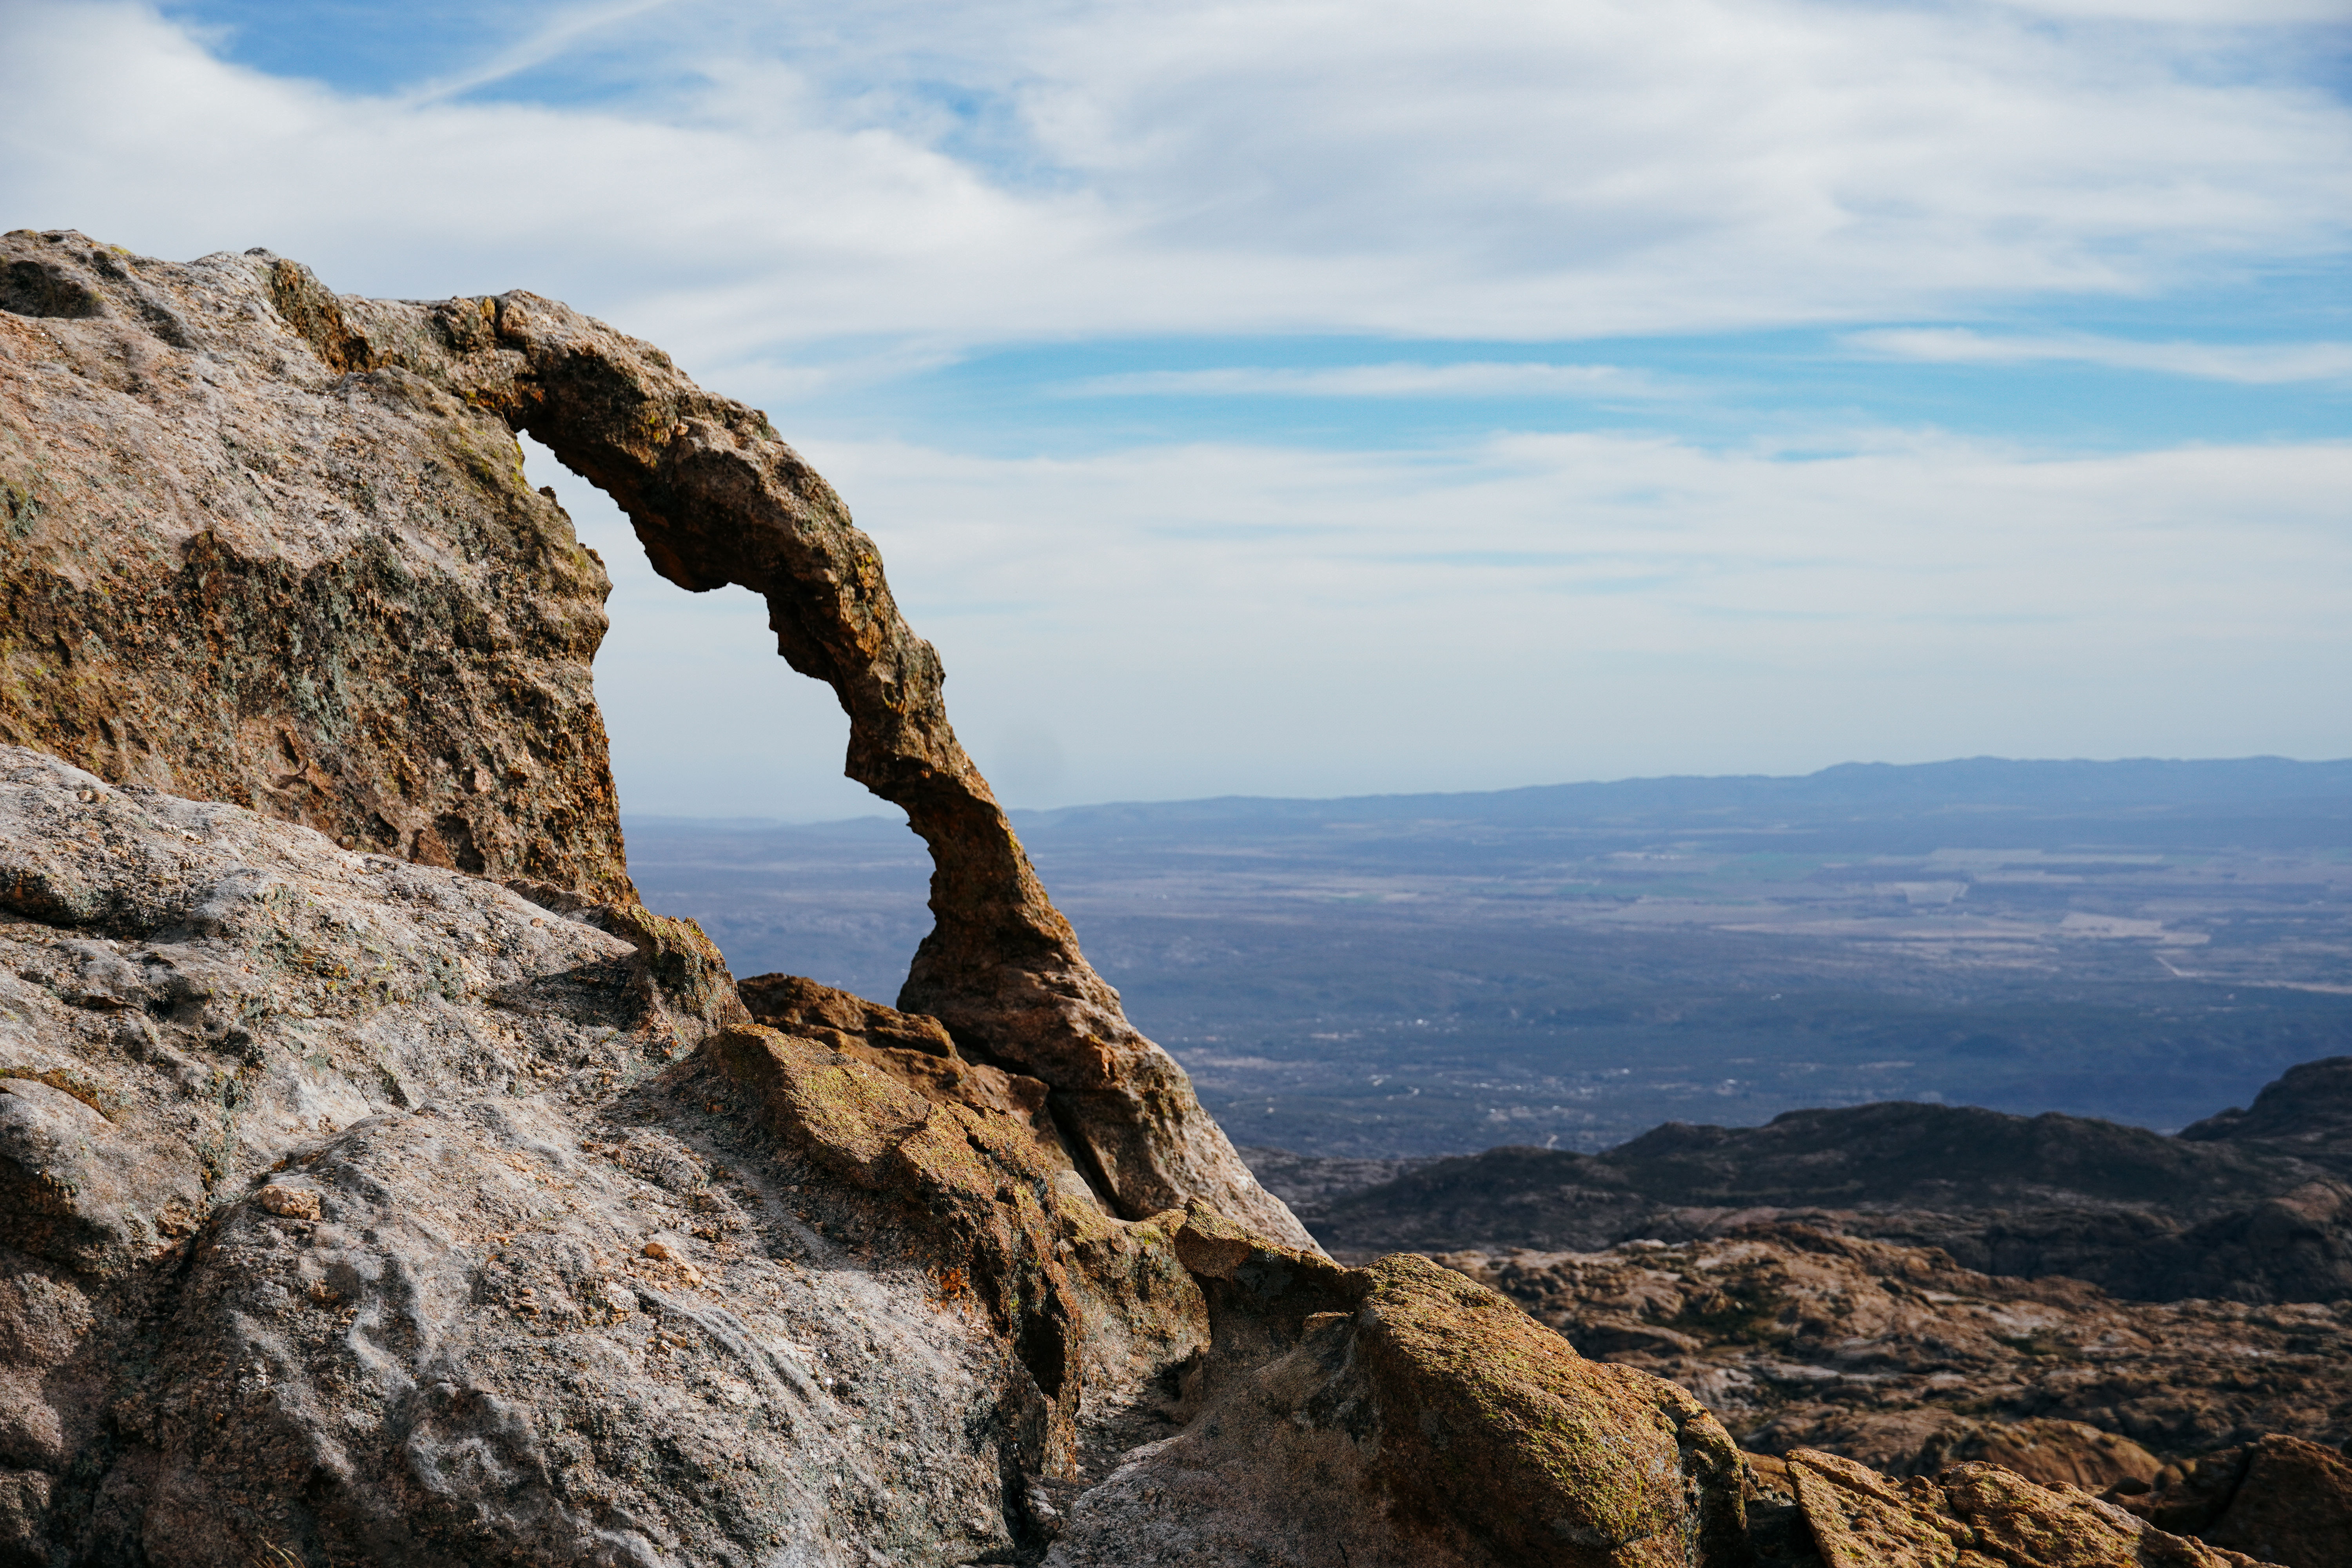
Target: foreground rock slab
x: 362, y: 1212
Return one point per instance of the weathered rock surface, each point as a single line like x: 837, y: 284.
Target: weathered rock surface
x: 364, y: 1211
x: 273, y: 545
x: 1976, y: 1516
x: 2238, y: 1218
x: 235, y: 572
x: 1898, y: 1357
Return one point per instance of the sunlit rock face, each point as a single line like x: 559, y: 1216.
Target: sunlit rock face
x: 238, y: 571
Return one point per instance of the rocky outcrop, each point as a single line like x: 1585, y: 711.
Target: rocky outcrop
x: 363, y: 1212
x: 234, y: 572
x: 299, y: 520
x: 2308, y: 1113
x: 1899, y: 1358
x: 2280, y: 1498
x: 381, y: 1182
x: 2249, y: 1218
x: 1976, y: 1514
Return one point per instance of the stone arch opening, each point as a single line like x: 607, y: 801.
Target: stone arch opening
x: 727, y: 775
x: 717, y: 497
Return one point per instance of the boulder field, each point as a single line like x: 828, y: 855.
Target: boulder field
x: 381, y: 1183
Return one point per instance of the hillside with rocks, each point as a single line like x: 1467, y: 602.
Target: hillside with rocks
x: 385, y: 1184
x: 2250, y: 1205
x: 2165, y: 1321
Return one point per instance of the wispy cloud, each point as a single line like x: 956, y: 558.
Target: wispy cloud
x: 1401, y: 379
x: 1019, y: 169
x: 2255, y: 364
x: 554, y: 38
x: 1189, y: 620
x: 2212, y: 14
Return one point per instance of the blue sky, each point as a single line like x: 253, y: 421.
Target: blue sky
x: 1314, y: 398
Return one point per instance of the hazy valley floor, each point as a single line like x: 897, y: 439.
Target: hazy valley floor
x: 1407, y: 977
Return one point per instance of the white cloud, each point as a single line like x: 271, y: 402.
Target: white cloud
x: 1470, y: 379
x: 1176, y: 622
x: 815, y: 195
x: 2255, y: 364
x: 1490, y: 168
x: 2218, y: 14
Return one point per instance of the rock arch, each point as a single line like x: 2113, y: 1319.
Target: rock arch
x: 717, y: 497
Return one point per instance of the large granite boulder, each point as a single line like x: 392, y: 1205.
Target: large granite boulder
x: 363, y: 1212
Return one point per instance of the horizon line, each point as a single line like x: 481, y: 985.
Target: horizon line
x: 883, y: 813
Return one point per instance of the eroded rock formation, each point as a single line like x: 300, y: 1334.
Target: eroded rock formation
x: 358, y: 1208
x: 274, y: 545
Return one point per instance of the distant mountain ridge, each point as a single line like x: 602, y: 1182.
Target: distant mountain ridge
x: 2137, y: 782
x: 1867, y: 787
